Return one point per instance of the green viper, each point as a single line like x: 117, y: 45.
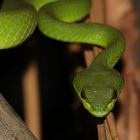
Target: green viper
x: 97, y: 86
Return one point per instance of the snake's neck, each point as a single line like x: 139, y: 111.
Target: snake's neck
x: 110, y: 56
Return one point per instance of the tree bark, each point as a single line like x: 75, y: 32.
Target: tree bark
x: 11, y: 126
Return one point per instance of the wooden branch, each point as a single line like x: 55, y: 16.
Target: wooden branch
x: 107, y: 131
x: 31, y: 98
x: 11, y: 126
x: 133, y: 108
x: 112, y: 126
x: 98, y: 11
x: 101, y: 131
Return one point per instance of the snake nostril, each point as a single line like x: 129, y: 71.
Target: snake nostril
x: 83, y: 95
x: 114, y: 95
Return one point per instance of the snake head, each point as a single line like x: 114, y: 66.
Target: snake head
x: 99, y: 101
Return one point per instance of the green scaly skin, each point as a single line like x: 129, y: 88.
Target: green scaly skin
x: 56, y: 19
x: 17, y: 22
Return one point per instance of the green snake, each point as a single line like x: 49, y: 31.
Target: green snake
x: 99, y: 85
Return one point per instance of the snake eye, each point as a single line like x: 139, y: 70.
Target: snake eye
x: 83, y: 95
x: 114, y: 95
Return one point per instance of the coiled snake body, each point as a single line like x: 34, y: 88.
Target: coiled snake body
x: 97, y: 86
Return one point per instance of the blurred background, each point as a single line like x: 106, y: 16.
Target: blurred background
x: 62, y: 115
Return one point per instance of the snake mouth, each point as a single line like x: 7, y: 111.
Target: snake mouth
x: 100, y: 112
x: 105, y: 111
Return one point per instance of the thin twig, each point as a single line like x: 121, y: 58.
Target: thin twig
x: 112, y: 127
x: 101, y: 131
x: 107, y: 131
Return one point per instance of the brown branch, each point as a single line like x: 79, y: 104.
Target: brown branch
x: 101, y: 131
x: 107, y: 131
x: 112, y: 127
x: 11, y: 126
x: 133, y: 108
x: 32, y: 100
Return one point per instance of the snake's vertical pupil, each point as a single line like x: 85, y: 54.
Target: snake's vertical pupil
x: 83, y: 95
x: 114, y: 95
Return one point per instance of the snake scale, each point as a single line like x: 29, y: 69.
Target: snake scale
x: 99, y: 85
